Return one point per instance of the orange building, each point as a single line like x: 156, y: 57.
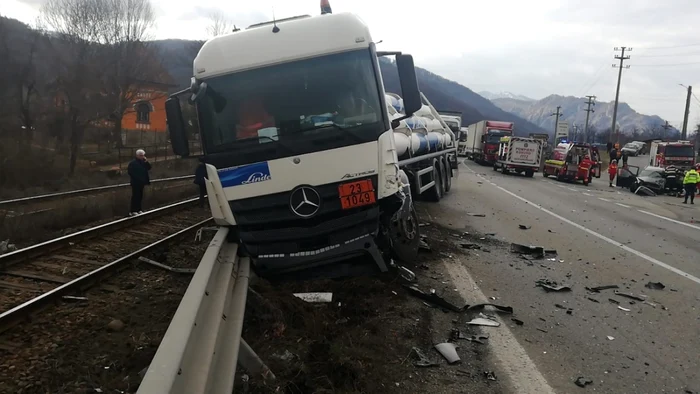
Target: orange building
x: 148, y: 109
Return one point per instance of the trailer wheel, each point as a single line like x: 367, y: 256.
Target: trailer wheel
x: 435, y: 192
x: 405, y: 237
x: 443, y: 175
x: 448, y: 178
x: 495, y: 166
x: 529, y: 173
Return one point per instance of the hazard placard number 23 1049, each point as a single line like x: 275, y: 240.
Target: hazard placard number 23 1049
x: 356, y: 194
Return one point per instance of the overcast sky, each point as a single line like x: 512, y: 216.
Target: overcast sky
x: 534, y: 48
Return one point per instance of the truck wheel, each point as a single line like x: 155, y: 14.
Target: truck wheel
x: 435, y: 192
x: 529, y: 173
x: 448, y: 178
x: 405, y: 237
x: 495, y: 166
x: 544, y: 173
x: 443, y: 175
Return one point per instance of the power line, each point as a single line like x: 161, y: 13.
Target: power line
x: 596, y: 78
x: 666, y: 65
x: 674, y: 46
x: 672, y: 54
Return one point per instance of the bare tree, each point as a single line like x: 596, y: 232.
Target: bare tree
x: 132, y: 60
x: 77, y: 27
x: 219, y: 24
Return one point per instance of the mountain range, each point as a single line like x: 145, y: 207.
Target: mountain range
x: 492, y: 96
x: 540, y: 113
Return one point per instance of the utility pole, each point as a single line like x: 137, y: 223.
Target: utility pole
x: 666, y: 127
x: 590, y: 102
x: 684, y: 131
x: 622, y: 59
x: 556, y: 120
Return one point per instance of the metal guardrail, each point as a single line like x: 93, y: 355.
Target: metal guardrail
x: 84, y: 191
x: 57, y: 243
x: 203, y: 343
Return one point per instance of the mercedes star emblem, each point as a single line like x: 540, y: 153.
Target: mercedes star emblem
x: 305, y: 201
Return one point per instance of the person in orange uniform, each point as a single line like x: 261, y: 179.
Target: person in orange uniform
x: 612, y: 171
x: 252, y: 116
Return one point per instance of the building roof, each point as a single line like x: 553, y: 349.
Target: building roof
x: 297, y: 38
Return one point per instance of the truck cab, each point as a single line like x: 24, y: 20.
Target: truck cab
x: 299, y: 146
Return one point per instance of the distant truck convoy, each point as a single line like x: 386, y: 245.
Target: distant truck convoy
x: 483, y: 139
x: 310, y: 162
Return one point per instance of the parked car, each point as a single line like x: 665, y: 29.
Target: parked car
x: 632, y: 149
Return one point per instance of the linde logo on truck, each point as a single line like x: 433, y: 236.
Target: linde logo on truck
x: 245, y: 175
x: 257, y: 177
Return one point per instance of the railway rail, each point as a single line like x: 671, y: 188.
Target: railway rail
x: 72, y: 193
x: 39, y: 275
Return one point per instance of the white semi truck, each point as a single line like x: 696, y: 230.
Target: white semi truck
x: 310, y: 162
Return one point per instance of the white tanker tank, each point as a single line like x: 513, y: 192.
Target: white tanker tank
x: 419, y: 134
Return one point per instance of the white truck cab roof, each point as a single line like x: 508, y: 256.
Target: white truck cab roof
x: 297, y: 38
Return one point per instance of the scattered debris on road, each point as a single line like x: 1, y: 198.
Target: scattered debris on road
x: 483, y: 320
x: 531, y: 251
x: 631, y: 296
x: 610, y: 338
x: 550, y: 285
x: 524, y: 227
x: 490, y: 375
x: 470, y: 246
x: 614, y: 301
x: 449, y: 351
x: 499, y: 308
x: 478, y: 215
x: 423, y: 360
x: 623, y: 309
x: 517, y: 321
x: 655, y: 286
x: 314, y: 297
x: 433, y: 298
x: 582, y: 381
x: 598, y: 289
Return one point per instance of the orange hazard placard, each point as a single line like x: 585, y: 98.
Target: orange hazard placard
x: 356, y: 194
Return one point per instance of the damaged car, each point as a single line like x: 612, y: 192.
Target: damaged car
x: 653, y: 178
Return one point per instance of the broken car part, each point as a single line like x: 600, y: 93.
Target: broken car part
x: 449, y: 351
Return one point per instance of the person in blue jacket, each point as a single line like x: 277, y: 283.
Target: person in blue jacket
x: 199, y: 175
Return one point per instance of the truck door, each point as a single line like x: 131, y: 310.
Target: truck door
x: 626, y: 176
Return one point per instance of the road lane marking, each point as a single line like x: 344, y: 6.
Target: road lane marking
x: 604, y: 199
x: 606, y: 239
x: 572, y: 189
x: 560, y: 186
x: 622, y: 205
x: 587, y: 194
x: 670, y: 220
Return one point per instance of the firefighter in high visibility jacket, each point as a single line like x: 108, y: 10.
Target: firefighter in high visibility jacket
x: 690, y: 184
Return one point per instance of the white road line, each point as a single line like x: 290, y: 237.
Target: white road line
x: 622, y: 205
x: 587, y: 194
x: 560, y: 186
x: 670, y: 220
x: 604, y: 199
x: 608, y: 240
x: 572, y: 189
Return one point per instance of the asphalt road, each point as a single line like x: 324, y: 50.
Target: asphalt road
x: 604, y: 236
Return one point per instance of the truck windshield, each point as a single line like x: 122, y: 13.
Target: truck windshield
x: 494, y: 136
x: 679, y: 151
x: 331, y: 99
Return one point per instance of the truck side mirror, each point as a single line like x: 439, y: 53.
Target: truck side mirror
x: 176, y: 127
x: 409, y: 84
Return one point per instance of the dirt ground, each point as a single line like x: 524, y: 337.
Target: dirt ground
x: 362, y: 341
x: 105, y: 342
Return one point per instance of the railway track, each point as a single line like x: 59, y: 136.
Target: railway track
x: 40, y: 275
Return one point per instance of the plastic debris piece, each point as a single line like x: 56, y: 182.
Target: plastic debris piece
x: 449, y: 351
x: 434, y: 299
x: 597, y: 289
x: 582, y: 381
x: 524, y: 227
x: 314, y: 297
x: 483, y: 321
x: 490, y: 375
x: 423, y: 245
x: 630, y: 295
x: 623, y: 309
x: 611, y: 338
x: 407, y: 274
x: 527, y: 249
x: 470, y: 246
x: 478, y: 215
x: 500, y: 308
x: 655, y: 285
x: 550, y: 285
x: 423, y: 360
x: 614, y: 301
x: 517, y: 321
